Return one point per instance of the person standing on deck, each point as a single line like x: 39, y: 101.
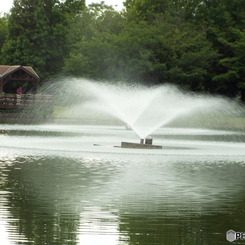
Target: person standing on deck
x: 19, y: 90
x: 18, y: 95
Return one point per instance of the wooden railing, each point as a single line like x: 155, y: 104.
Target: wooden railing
x: 25, y: 101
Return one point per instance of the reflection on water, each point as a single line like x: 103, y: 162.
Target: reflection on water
x: 67, y: 191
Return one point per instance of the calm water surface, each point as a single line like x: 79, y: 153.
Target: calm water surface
x: 70, y: 185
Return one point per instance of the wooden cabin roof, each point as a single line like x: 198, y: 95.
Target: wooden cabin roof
x: 6, y: 70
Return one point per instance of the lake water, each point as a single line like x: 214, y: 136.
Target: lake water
x: 65, y: 184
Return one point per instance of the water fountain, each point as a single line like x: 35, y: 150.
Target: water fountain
x: 145, y: 109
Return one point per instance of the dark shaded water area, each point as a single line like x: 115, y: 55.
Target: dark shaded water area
x: 70, y: 185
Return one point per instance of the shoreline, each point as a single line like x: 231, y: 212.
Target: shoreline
x: 230, y: 126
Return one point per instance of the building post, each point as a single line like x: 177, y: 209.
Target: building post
x: 1, y: 85
x: 37, y: 86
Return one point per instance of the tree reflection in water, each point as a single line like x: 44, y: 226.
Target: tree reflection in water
x: 88, y: 200
x: 46, y: 197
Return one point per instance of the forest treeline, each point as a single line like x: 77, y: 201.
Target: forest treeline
x: 198, y: 45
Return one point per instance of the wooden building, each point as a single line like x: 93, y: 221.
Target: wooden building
x: 19, y: 76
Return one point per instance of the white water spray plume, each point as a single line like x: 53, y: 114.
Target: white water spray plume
x: 144, y: 109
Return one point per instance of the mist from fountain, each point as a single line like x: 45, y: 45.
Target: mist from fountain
x: 145, y: 109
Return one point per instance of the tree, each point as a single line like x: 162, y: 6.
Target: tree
x: 191, y: 58
x: 91, y: 38
x: 37, y: 35
x: 232, y: 79
x: 224, y: 21
x: 145, y: 9
x: 3, y: 30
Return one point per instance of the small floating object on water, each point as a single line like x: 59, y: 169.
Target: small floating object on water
x: 97, y: 145
x: 144, y: 144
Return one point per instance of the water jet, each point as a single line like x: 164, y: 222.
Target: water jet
x: 143, y: 110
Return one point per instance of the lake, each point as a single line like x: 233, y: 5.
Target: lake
x: 68, y: 184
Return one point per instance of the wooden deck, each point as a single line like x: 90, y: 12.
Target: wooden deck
x: 25, y: 101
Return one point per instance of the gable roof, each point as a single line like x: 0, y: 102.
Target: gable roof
x: 7, y: 70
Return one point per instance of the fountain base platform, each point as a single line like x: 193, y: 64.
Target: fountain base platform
x: 139, y: 146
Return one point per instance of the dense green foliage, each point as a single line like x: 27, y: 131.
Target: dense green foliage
x: 37, y: 34
x: 197, y: 44
x: 3, y: 31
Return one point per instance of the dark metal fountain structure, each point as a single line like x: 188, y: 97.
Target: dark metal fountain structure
x: 144, y: 144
